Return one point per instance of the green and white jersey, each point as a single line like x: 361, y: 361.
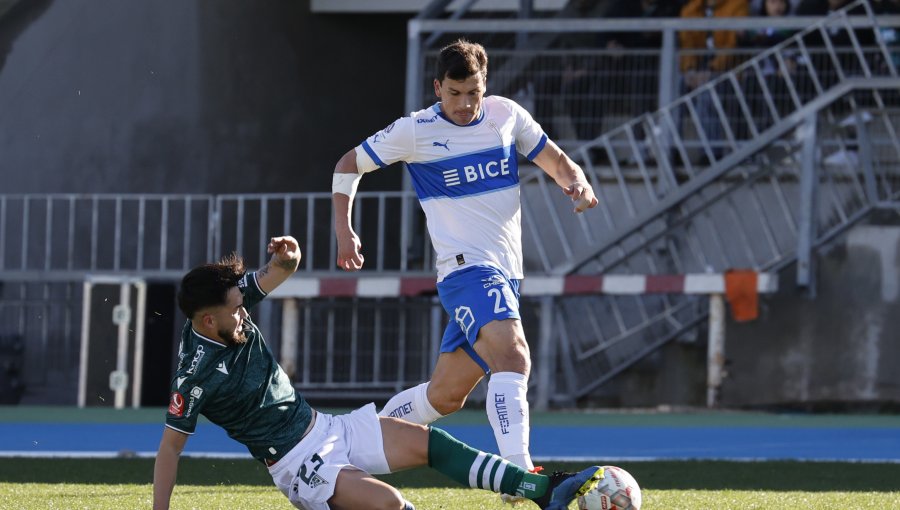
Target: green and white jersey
x: 240, y: 388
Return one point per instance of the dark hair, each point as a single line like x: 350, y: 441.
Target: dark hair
x: 460, y: 60
x: 208, y: 285
x: 764, y: 12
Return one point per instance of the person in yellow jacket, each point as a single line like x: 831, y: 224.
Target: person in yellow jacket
x: 699, y: 67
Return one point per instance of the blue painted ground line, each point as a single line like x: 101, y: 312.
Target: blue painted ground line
x: 548, y: 443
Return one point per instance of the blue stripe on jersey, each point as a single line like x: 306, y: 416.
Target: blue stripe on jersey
x: 466, y: 175
x: 533, y: 154
x: 371, y: 153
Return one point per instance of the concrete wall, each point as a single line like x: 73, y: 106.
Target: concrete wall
x: 838, y: 350
x: 188, y: 96
x: 841, y: 346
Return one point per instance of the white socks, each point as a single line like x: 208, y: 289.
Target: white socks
x: 507, y: 410
x: 412, y: 405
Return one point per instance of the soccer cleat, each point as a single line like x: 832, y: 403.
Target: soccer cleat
x: 517, y: 500
x: 565, y: 487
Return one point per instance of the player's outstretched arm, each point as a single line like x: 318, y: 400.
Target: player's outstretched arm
x: 343, y: 188
x: 568, y: 175
x: 166, y: 467
x: 285, y: 258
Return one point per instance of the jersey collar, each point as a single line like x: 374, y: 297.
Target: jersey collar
x: 437, y: 109
x: 207, y: 339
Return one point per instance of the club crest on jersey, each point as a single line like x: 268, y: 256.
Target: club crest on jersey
x: 176, y: 404
x: 316, y: 481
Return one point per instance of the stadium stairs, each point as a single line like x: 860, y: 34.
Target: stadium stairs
x: 747, y: 171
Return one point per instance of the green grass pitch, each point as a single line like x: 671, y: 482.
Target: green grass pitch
x: 210, y: 484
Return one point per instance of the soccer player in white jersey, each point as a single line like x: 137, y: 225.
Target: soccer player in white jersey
x: 227, y: 373
x: 461, y: 155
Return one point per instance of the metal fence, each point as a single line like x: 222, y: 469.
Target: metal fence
x: 578, y: 90
x: 63, y: 236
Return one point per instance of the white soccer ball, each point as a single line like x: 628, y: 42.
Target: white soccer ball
x: 618, y: 490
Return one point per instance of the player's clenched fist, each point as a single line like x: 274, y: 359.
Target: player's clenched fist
x: 349, y: 257
x: 582, y: 194
x: 284, y: 248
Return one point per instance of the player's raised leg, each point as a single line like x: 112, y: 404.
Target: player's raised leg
x: 454, y: 377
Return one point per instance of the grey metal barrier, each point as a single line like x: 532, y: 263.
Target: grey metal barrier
x: 60, y: 237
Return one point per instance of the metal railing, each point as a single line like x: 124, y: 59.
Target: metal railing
x: 62, y: 236
x: 741, y: 187
x: 581, y: 90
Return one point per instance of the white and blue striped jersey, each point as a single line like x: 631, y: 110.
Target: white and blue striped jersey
x: 466, y: 178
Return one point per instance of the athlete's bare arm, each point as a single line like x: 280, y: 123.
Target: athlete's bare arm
x: 349, y: 257
x: 166, y: 467
x: 285, y: 258
x: 568, y: 175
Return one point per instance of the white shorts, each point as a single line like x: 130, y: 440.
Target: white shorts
x: 307, y: 474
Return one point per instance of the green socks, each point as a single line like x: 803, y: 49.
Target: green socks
x: 481, y: 470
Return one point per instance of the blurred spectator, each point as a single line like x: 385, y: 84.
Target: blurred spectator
x: 564, y: 95
x: 886, y: 6
x: 565, y: 87
x: 819, y: 7
x: 839, y: 36
x: 772, y: 75
x: 767, y: 37
x: 716, y: 61
x: 698, y: 66
x: 629, y: 83
x: 649, y: 39
x: 890, y: 35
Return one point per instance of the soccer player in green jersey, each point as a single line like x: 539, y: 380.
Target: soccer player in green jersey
x: 227, y: 373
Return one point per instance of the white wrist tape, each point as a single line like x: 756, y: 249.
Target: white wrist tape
x: 346, y: 184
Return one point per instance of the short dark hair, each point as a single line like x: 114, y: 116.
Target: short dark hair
x: 208, y: 285
x: 460, y: 60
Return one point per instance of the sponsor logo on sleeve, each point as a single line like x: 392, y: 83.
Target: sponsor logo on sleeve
x: 176, y: 405
x: 195, y: 362
x: 381, y: 135
x: 196, y: 393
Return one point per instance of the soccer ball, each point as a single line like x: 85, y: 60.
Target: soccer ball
x: 616, y: 491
